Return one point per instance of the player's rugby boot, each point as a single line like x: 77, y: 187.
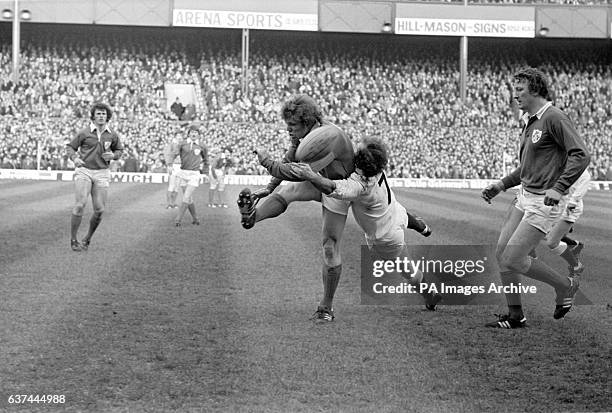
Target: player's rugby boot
x: 247, y: 208
x: 323, y: 315
x: 85, y: 244
x: 578, y: 269
x: 75, y: 245
x: 565, y: 302
x: 431, y: 300
x: 505, y: 321
x: 419, y: 225
x: 196, y: 222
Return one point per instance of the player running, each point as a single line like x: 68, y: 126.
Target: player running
x: 553, y: 156
x: 376, y: 210
x: 91, y: 150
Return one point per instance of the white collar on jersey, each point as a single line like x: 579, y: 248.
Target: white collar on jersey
x: 93, y: 127
x: 525, y: 116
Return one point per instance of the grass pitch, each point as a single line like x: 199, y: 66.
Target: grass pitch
x: 155, y: 318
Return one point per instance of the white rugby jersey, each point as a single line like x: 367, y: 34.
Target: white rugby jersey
x: 373, y: 203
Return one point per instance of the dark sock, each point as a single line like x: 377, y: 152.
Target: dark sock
x: 569, y: 241
x: 516, y: 311
x: 93, y: 224
x: 75, y: 223
x: 331, y: 277
x: 511, y: 277
x: 415, y: 224
x: 569, y: 257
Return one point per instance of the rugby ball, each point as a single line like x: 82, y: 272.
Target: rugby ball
x: 318, y: 144
x: 328, y: 150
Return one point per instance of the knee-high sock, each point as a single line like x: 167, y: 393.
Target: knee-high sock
x: 271, y: 207
x: 569, y: 241
x: 331, y: 277
x: 414, y: 224
x: 75, y: 223
x: 95, y: 220
x: 513, y: 299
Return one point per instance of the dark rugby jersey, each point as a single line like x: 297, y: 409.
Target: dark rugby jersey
x: 89, y: 148
x: 192, y: 155
x: 552, y: 154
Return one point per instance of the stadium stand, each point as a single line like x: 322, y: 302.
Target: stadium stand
x: 403, y: 88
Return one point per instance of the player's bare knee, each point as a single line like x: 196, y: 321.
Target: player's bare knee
x: 514, y: 263
x: 331, y: 251
x: 78, y: 209
x: 552, y: 243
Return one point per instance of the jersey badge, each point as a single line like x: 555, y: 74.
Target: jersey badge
x: 536, y: 135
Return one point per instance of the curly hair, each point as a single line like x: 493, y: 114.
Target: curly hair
x: 372, y: 156
x: 302, y: 108
x: 101, y: 106
x: 536, y: 81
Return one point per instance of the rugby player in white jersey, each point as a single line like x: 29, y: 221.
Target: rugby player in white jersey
x: 377, y: 212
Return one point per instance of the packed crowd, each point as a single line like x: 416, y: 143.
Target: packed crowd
x: 404, y: 89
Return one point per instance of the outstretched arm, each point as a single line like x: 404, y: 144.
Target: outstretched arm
x: 348, y: 189
x: 305, y: 172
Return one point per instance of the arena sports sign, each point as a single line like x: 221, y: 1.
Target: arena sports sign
x: 245, y: 20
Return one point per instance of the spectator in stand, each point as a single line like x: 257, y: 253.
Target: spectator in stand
x: 177, y: 108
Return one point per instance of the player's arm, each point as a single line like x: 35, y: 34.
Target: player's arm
x: 507, y: 182
x: 578, y: 158
x: 275, y: 181
x: 72, y: 149
x: 116, y: 147
x: 279, y: 169
x: 348, y: 189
